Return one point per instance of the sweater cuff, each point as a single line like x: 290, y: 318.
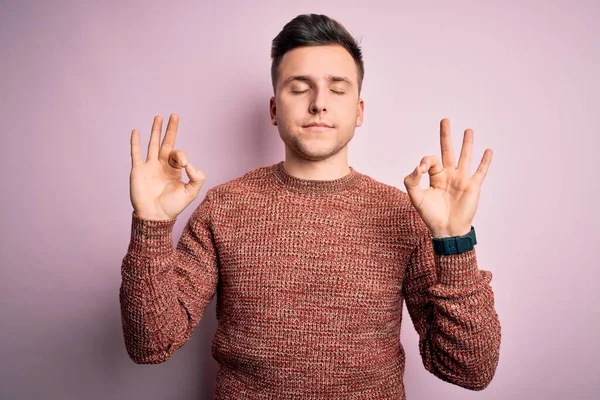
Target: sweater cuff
x: 458, y: 270
x: 151, y: 238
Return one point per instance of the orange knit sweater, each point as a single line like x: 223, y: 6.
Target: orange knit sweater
x: 310, y: 279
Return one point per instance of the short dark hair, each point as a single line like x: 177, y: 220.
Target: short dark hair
x: 314, y: 30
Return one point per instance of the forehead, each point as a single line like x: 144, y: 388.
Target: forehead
x: 318, y: 61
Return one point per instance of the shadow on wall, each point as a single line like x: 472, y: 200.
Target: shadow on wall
x: 250, y: 140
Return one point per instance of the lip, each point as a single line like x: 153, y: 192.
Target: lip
x: 320, y: 125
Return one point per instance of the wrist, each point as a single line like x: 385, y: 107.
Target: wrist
x: 446, y: 233
x: 153, y: 216
x: 456, y: 244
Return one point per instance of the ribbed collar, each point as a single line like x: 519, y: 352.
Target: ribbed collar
x: 287, y: 181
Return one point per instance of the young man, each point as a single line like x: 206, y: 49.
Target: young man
x: 310, y: 260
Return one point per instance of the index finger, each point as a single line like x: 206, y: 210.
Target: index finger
x: 168, y: 143
x: 446, y: 144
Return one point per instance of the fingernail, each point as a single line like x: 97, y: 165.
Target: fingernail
x: 182, y: 163
x: 424, y: 167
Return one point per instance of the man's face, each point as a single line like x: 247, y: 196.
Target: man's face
x: 316, y: 106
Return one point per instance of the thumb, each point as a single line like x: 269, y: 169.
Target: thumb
x: 412, y: 183
x: 196, y: 177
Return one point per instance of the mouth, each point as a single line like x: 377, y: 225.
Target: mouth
x: 317, y: 126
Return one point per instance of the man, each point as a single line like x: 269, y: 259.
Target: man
x: 310, y: 260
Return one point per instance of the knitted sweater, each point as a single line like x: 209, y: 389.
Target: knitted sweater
x: 310, y: 278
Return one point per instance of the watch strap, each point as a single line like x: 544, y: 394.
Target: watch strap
x: 455, y: 244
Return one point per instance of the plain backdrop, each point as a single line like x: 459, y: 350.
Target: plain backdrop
x: 77, y: 77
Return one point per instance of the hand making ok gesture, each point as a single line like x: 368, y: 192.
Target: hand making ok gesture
x: 449, y: 204
x: 156, y: 189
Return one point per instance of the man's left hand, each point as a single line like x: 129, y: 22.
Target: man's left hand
x: 449, y: 204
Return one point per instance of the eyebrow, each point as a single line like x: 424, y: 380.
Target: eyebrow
x: 306, y: 78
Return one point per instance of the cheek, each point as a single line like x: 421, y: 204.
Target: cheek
x: 290, y: 111
x: 350, y: 113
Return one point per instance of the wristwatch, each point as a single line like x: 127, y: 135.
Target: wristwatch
x: 455, y: 244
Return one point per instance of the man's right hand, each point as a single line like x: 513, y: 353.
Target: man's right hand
x: 156, y: 189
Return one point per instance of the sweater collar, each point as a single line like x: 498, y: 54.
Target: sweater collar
x: 295, y: 184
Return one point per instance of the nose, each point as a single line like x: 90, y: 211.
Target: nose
x: 318, y: 103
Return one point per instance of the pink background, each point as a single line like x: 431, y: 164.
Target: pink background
x: 77, y: 77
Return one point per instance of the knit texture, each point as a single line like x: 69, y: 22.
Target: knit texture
x: 310, y: 278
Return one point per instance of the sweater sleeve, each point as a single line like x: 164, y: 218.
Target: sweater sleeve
x: 165, y: 289
x: 451, y: 304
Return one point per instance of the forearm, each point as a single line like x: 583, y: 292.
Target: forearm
x: 154, y: 324
x: 464, y: 340
x: 162, y: 294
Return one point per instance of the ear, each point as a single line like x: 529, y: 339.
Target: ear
x: 360, y: 112
x: 273, y: 111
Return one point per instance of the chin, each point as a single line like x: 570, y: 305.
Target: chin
x: 317, y: 153
x: 314, y: 147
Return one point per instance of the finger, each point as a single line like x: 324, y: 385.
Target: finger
x: 136, y: 158
x: 412, y: 183
x: 196, y: 179
x: 484, y: 166
x: 169, y: 140
x: 431, y: 165
x: 177, y: 159
x: 154, y: 142
x: 465, y: 153
x: 446, y: 144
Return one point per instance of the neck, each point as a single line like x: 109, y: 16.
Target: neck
x: 332, y: 168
